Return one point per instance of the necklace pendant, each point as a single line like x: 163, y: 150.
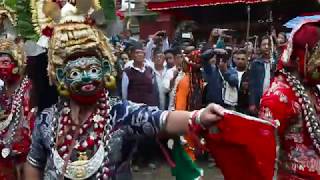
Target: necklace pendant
x: 5, y: 152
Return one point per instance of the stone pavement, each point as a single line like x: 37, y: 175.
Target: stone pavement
x: 163, y: 173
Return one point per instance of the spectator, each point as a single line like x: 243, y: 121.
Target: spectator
x: 160, y: 72
x: 130, y: 50
x: 169, y: 57
x: 119, y: 67
x: 241, y: 61
x: 260, y: 75
x: 216, y: 75
x: 281, y: 42
x: 172, y: 73
x: 281, y: 38
x: 158, y: 41
x: 124, y: 57
x: 138, y: 83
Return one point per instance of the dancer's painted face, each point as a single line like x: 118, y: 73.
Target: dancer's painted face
x: 84, y: 76
x: 7, y: 67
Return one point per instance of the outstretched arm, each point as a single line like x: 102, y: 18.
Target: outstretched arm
x: 146, y: 120
x: 178, y: 121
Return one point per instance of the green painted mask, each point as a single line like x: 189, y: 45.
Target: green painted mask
x: 84, y: 76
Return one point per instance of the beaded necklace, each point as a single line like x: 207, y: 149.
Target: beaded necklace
x: 308, y: 111
x: 9, y: 126
x: 96, y: 131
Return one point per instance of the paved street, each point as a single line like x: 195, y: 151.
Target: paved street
x: 163, y: 173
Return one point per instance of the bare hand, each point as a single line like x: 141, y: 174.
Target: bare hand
x: 211, y: 114
x: 253, y: 109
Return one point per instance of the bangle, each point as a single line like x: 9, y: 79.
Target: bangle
x: 191, y: 121
x: 198, y: 118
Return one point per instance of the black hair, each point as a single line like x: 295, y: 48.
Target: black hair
x: 157, y: 51
x: 240, y: 51
x: 43, y: 95
x: 169, y: 51
x: 265, y: 37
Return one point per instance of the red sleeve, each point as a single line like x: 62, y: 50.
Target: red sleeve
x: 279, y: 103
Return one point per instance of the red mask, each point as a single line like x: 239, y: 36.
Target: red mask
x: 6, y: 70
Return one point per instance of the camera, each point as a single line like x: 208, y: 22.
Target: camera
x: 207, y: 55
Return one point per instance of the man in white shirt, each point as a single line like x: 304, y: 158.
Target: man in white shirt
x: 157, y: 41
x: 160, y: 71
x: 172, y: 73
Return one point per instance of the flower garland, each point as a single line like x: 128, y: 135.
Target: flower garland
x: 95, y: 132
x: 9, y: 126
x: 309, y: 113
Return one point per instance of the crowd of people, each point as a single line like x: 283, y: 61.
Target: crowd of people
x: 184, y: 75
x: 147, y: 71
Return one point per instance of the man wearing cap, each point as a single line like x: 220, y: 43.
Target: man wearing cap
x: 138, y: 80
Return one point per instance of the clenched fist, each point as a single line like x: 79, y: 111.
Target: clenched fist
x: 211, y: 114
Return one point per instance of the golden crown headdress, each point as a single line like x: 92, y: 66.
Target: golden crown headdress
x: 7, y: 40
x: 71, y: 33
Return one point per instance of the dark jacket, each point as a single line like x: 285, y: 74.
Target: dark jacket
x: 243, y: 93
x: 256, y: 79
x: 215, y: 82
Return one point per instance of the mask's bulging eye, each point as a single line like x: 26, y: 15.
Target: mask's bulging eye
x: 74, y: 74
x: 95, y: 70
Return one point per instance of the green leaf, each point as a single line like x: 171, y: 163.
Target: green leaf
x: 24, y: 26
x: 109, y: 9
x: 11, y: 4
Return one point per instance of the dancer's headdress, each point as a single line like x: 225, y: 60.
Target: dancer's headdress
x: 72, y: 34
x: 8, y: 45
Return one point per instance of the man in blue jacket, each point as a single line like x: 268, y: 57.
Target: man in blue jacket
x: 216, y: 70
x: 260, y: 74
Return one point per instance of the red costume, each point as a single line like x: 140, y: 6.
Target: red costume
x: 299, y: 159
x: 16, y: 116
x: 293, y: 99
x: 17, y: 135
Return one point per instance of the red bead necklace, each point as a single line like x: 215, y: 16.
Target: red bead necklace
x: 91, y: 130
